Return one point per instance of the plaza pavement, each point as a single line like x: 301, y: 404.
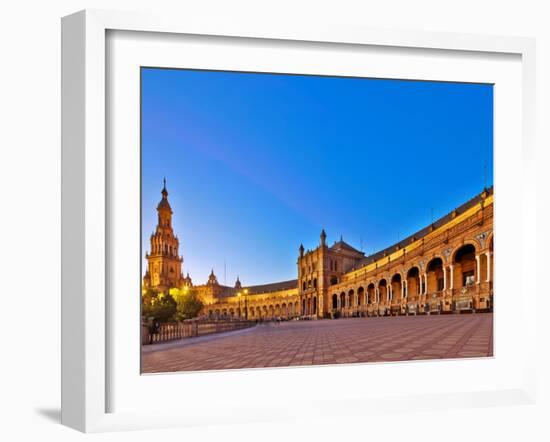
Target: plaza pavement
x: 353, y: 340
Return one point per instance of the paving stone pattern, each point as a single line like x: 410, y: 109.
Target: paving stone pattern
x: 341, y: 341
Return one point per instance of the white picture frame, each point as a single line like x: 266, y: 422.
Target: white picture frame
x: 86, y: 201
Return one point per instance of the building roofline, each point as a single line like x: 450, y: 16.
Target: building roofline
x: 228, y: 291
x: 428, y: 229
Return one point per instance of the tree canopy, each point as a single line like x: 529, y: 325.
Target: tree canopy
x: 177, y: 305
x: 189, y: 303
x: 160, y: 306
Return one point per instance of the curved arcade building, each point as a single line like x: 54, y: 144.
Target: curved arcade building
x: 446, y: 267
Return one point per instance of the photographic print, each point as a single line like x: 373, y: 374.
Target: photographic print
x: 303, y: 220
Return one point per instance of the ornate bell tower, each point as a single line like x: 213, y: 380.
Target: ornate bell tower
x: 163, y: 263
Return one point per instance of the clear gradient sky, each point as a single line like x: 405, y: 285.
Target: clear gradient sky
x: 258, y: 163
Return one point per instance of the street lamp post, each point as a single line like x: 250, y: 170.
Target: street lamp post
x: 245, y: 305
x: 240, y: 312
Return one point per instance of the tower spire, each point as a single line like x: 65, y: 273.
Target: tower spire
x: 164, y: 262
x: 164, y: 191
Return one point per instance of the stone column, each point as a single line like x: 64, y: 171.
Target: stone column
x: 488, y: 255
x: 403, y: 289
x: 425, y: 283
x: 377, y: 295
x: 444, y: 278
x: 420, y: 288
x: 451, y: 276
x: 478, y: 268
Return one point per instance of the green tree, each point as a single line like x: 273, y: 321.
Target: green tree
x: 147, y: 297
x: 160, y: 306
x: 188, y: 303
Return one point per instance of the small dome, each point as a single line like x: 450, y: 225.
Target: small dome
x: 212, y: 280
x: 238, y: 284
x: 164, y: 205
x: 187, y: 281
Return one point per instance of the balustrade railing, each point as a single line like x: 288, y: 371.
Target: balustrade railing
x: 181, y: 330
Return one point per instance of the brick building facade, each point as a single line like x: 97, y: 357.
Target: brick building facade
x: 445, y: 267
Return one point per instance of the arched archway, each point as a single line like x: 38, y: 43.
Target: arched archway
x: 491, y: 264
x: 435, y: 276
x: 342, y: 300
x: 396, y: 288
x: 371, y: 294
x: 490, y: 267
x: 334, y: 301
x: 382, y: 291
x: 465, y: 268
x: 351, y: 298
x: 486, y: 262
x: 361, y: 297
x: 413, y: 283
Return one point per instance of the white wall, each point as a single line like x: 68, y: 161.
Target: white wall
x: 30, y: 220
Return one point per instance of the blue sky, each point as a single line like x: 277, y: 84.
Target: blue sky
x: 258, y: 163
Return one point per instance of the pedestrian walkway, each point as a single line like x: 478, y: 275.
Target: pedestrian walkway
x: 352, y: 340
